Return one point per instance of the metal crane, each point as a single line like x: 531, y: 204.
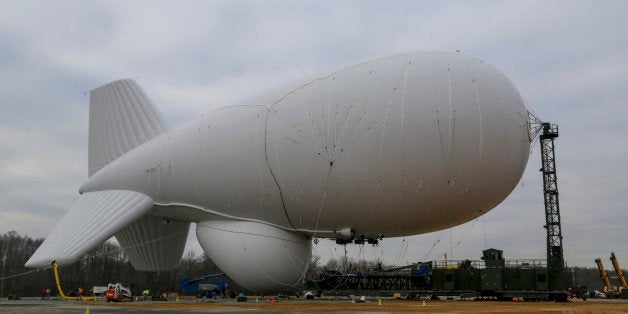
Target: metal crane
x: 600, y: 267
x: 620, y: 275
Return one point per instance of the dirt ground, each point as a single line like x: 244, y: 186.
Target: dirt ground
x: 34, y: 305
x: 397, y: 306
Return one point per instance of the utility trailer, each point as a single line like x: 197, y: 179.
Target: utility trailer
x: 493, y: 277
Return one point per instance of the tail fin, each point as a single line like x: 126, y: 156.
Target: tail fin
x: 151, y: 244
x: 94, y: 218
x: 121, y: 117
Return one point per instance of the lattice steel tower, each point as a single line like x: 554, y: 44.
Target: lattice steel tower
x: 555, y: 259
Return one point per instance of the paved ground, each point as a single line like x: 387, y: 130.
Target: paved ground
x: 303, y: 306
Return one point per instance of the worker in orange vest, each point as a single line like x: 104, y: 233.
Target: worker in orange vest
x: 79, y: 295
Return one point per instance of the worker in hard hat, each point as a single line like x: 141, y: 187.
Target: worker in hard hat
x: 145, y: 294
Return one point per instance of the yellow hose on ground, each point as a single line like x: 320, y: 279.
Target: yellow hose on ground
x: 55, y: 266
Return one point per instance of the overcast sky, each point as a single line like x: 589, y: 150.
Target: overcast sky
x: 569, y: 60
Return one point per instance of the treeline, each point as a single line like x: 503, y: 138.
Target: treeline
x: 104, y: 264
x: 108, y: 264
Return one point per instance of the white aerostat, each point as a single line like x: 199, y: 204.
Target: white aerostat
x: 396, y: 146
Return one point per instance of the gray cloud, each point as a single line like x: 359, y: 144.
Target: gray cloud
x: 566, y: 58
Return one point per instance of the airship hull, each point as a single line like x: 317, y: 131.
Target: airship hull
x: 394, y: 147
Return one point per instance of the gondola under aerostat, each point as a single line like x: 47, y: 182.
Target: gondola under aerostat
x: 396, y: 146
